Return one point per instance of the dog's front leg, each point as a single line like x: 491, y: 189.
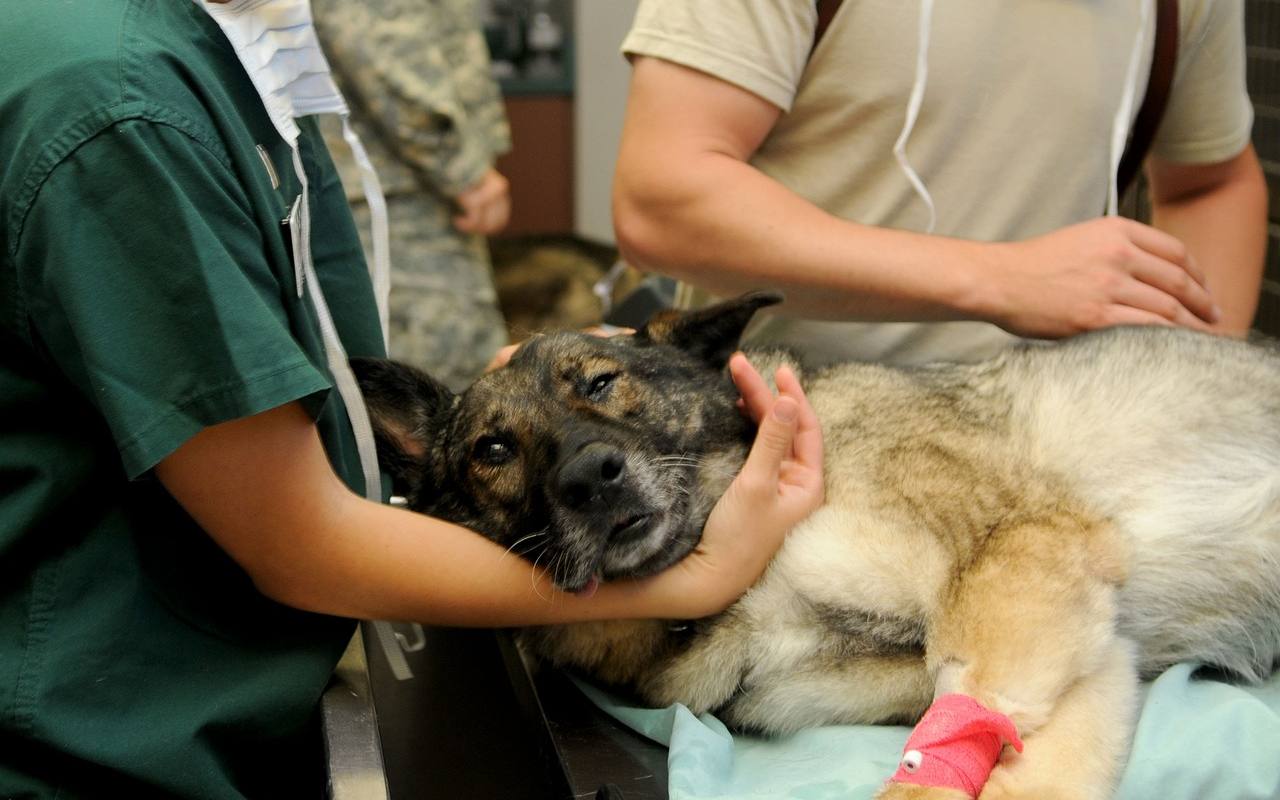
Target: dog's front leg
x: 1079, y: 751
x: 1026, y: 629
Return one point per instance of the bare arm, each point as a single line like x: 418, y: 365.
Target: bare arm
x: 1220, y: 212
x: 688, y: 203
x: 263, y: 489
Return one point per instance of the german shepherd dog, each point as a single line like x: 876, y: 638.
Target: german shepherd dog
x: 1037, y: 531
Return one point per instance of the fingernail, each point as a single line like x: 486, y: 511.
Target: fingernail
x: 1217, y: 314
x: 785, y: 410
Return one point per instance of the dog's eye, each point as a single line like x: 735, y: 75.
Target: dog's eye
x: 493, y: 450
x: 598, y: 387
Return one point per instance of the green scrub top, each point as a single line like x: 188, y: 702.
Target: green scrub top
x: 147, y: 291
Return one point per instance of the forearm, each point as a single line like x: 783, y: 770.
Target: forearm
x: 1225, y: 229
x: 716, y: 221
x: 688, y: 202
x: 407, y: 566
x: 263, y: 489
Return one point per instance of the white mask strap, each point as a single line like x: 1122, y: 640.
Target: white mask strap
x: 1124, y: 114
x: 343, y: 378
x: 913, y: 111
x: 380, y: 267
x: 349, y: 388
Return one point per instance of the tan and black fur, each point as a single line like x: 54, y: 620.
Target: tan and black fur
x: 1037, y: 531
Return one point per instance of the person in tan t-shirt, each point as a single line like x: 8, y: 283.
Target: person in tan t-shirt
x: 748, y: 161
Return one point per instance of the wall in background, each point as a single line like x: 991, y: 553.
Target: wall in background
x: 531, y: 48
x: 600, y: 82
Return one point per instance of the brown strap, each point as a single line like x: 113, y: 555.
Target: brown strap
x: 826, y: 10
x: 1164, y: 59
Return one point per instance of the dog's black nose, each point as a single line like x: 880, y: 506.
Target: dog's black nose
x: 592, y: 475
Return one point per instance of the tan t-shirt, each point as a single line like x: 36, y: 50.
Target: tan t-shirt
x: 1013, y: 135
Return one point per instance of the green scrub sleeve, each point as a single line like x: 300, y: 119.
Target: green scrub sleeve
x: 146, y: 278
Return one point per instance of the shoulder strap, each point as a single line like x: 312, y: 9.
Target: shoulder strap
x: 826, y: 10
x: 1164, y: 59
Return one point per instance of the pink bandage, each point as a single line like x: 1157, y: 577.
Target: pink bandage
x: 955, y: 745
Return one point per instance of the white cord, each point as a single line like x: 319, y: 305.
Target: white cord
x: 913, y: 111
x: 1124, y: 114
x: 349, y: 390
x: 380, y: 266
x: 344, y: 379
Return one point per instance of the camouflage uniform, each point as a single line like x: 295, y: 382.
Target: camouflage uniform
x: 416, y: 75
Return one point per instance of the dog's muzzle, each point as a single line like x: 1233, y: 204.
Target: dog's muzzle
x: 592, y: 479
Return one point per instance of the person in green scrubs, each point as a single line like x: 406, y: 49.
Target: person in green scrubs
x: 183, y: 544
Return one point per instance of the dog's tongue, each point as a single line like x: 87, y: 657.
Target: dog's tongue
x: 590, y: 588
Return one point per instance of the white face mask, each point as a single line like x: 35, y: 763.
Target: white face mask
x: 277, y: 44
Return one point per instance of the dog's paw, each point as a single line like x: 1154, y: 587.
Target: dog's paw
x: 910, y: 791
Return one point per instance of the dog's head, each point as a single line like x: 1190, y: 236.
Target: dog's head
x: 594, y: 457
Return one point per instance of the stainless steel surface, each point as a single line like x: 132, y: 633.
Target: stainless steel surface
x: 352, y: 747
x: 475, y: 721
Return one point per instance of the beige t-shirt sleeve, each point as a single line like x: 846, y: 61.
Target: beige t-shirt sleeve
x: 758, y: 45
x: 1209, y: 117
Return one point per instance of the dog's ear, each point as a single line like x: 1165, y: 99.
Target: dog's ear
x: 403, y: 404
x: 710, y: 334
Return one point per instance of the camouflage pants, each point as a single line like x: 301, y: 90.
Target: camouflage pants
x: 444, y: 315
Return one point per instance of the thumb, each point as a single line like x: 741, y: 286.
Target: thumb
x: 773, y: 440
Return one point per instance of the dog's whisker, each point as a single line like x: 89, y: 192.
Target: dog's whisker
x: 531, y: 549
x: 533, y: 577
x: 689, y: 461
x: 696, y: 462
x: 522, y: 539
x: 556, y: 564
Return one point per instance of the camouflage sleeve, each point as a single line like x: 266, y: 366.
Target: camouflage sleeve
x: 418, y: 72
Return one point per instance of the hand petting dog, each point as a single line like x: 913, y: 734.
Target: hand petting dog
x: 779, y: 485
